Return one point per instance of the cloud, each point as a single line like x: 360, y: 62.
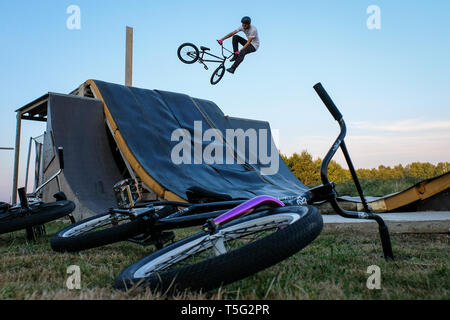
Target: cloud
x: 411, y: 125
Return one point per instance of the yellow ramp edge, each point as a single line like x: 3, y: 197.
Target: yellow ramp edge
x: 420, y: 191
x: 129, y: 156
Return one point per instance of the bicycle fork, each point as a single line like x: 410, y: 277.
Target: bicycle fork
x: 340, y: 143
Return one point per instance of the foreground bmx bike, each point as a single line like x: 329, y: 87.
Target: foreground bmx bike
x: 234, y: 238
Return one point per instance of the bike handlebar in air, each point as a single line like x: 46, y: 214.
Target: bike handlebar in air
x: 328, y: 102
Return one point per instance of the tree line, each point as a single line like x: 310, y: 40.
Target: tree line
x: 307, y: 170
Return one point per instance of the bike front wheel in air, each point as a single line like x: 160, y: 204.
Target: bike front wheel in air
x: 188, y: 53
x: 238, y: 249
x: 218, y: 75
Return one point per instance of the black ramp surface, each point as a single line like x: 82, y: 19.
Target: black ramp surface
x: 284, y: 176
x: 78, y: 125
x: 146, y: 119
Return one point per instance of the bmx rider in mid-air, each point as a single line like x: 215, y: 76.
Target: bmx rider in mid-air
x: 249, y: 46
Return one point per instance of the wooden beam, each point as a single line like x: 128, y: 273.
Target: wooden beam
x: 42, y: 119
x: 129, y: 58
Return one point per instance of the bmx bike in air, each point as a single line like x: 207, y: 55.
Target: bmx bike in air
x: 32, y: 212
x: 189, y: 53
x: 235, y: 238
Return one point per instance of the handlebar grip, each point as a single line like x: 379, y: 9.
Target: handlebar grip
x: 61, y: 157
x: 328, y: 102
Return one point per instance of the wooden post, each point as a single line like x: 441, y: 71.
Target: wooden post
x: 129, y: 58
x: 16, y: 158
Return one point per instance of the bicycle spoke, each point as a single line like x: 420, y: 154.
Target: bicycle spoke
x: 84, y: 228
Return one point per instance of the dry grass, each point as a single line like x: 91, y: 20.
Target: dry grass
x: 332, y: 267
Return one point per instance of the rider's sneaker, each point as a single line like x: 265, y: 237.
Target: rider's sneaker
x: 231, y: 70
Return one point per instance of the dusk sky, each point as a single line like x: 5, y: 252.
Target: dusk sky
x: 392, y: 83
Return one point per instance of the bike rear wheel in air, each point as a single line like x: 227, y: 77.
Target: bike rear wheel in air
x: 188, y: 53
x: 206, y: 261
x: 218, y: 75
x: 18, y: 219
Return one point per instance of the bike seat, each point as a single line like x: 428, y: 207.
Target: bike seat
x: 205, y: 48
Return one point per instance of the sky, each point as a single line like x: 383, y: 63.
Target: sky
x: 392, y: 83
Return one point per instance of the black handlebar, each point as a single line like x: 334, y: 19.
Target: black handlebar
x: 61, y: 157
x: 383, y: 229
x: 328, y: 102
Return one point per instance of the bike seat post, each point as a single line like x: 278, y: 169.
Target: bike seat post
x: 23, y: 198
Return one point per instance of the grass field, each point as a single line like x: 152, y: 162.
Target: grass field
x: 334, y: 266
x: 376, y: 187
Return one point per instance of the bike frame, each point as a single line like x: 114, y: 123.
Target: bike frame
x: 220, y: 60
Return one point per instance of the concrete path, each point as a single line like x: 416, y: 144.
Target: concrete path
x: 405, y: 222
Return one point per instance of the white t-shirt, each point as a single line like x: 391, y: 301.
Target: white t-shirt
x: 251, y: 32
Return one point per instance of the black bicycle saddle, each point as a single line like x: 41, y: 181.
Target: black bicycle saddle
x: 205, y: 48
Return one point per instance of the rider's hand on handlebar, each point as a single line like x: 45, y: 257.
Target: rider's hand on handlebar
x: 220, y: 42
x: 237, y: 53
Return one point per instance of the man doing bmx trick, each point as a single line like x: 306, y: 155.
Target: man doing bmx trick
x: 249, y: 46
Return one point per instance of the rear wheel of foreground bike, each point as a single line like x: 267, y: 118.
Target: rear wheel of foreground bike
x: 97, y: 231
x: 239, y: 249
x: 218, y: 75
x: 16, y: 220
x: 101, y: 230
x: 188, y: 53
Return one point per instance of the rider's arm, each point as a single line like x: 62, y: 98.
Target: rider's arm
x: 230, y: 35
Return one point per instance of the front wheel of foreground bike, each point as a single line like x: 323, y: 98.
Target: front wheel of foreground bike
x: 238, y: 249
